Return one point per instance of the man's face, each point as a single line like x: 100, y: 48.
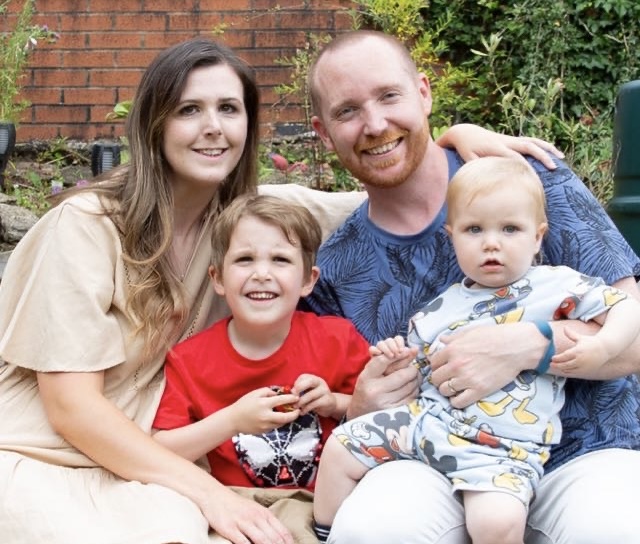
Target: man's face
x: 373, y: 111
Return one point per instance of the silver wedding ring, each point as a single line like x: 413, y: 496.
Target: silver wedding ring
x: 453, y: 390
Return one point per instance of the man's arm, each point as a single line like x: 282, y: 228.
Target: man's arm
x: 482, y: 360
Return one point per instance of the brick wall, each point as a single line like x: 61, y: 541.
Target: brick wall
x: 105, y: 45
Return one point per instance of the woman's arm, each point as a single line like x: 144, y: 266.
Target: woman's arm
x: 80, y: 413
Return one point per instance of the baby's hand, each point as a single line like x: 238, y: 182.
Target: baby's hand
x: 256, y: 412
x: 588, y: 353
x: 394, y: 350
x: 315, y: 395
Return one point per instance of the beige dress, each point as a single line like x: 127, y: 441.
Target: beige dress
x: 62, y: 301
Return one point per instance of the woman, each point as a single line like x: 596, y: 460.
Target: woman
x: 92, y: 298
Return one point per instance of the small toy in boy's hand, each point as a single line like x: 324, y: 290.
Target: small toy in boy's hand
x: 283, y: 390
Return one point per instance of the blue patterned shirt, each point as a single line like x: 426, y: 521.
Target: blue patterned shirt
x: 379, y: 280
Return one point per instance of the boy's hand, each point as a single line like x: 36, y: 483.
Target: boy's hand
x: 315, y: 395
x: 588, y: 353
x: 254, y: 413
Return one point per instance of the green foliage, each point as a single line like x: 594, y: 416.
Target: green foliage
x: 402, y: 18
x: 322, y: 169
x: 15, y: 47
x: 120, y: 111
x: 533, y: 67
x: 33, y: 194
x: 56, y: 166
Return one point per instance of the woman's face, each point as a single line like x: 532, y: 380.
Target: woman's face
x: 204, y: 136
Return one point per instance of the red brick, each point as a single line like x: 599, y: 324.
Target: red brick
x: 263, y: 20
x: 27, y: 133
x: 116, y: 6
x: 263, y: 57
x: 114, y: 76
x: 63, y: 6
x: 274, y: 76
x: 105, y: 45
x: 134, y: 59
x: 237, y: 40
x: 343, y: 21
x: 46, y: 95
x: 88, y: 59
x: 197, y: 22
x: 77, y: 22
x: 60, y: 114
x: 141, y: 22
x: 70, y: 40
x: 46, y: 59
x: 160, y: 40
x: 224, y: 5
x: 90, y: 96
x: 307, y: 20
x: 61, y: 78
x: 333, y: 5
x: 115, y: 40
x: 279, y: 39
x: 268, y: 5
x: 99, y: 114
x: 172, y: 5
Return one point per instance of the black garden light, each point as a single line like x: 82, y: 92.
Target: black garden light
x: 7, y: 144
x: 104, y: 157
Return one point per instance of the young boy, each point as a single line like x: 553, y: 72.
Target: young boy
x: 260, y: 391
x: 492, y: 451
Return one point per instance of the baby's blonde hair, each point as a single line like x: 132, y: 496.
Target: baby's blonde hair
x: 491, y: 174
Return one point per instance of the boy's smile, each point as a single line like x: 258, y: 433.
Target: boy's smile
x: 262, y: 278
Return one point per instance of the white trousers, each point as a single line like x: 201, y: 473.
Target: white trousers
x: 593, y: 499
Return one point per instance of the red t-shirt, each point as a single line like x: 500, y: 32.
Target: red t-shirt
x: 205, y: 374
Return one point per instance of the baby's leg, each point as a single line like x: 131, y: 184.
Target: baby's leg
x: 338, y: 474
x: 494, y: 517
x: 353, y: 448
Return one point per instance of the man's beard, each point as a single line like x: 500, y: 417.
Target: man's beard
x: 376, y: 174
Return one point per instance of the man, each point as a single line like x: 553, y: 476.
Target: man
x: 393, y: 255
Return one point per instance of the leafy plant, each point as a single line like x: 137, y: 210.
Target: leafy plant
x: 32, y: 194
x: 535, y: 68
x: 15, y: 47
x: 54, y: 167
x: 120, y: 110
x: 296, y: 91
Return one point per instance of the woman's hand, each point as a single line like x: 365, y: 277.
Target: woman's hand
x: 472, y: 141
x: 243, y: 521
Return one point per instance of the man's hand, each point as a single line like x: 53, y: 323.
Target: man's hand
x: 389, y: 379
x: 481, y: 360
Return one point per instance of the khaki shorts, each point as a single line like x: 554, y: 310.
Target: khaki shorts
x: 293, y: 507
